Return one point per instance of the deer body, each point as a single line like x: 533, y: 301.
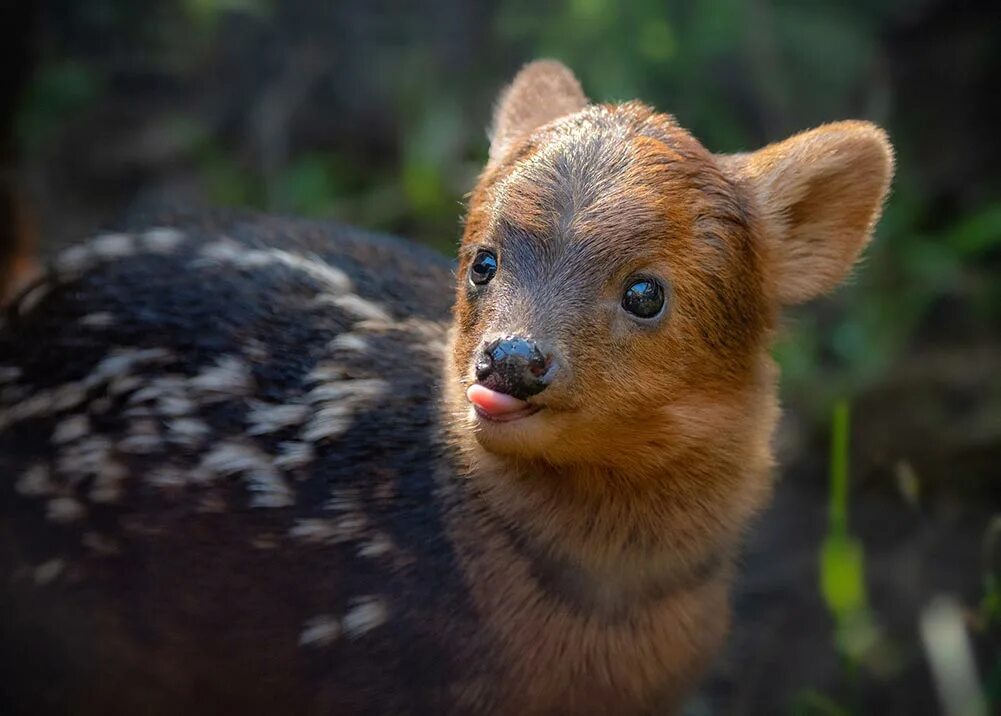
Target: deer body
x: 265, y: 465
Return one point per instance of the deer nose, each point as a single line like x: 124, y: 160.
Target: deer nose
x: 513, y: 365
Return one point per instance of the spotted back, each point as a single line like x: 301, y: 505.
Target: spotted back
x: 219, y: 445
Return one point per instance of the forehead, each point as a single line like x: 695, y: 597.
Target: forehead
x: 608, y: 180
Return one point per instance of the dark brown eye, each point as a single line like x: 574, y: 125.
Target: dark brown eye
x: 483, y: 268
x: 644, y: 298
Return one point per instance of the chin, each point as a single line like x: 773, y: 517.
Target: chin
x: 528, y: 435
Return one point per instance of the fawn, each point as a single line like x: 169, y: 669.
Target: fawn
x: 254, y: 464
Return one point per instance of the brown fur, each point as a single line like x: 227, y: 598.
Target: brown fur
x: 632, y: 488
x: 18, y: 241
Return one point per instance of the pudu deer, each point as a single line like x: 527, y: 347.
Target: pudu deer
x: 255, y: 464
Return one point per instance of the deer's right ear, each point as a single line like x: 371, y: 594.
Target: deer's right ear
x: 820, y: 194
x: 542, y: 91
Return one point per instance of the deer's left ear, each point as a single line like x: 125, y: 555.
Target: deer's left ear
x: 541, y: 92
x: 820, y: 194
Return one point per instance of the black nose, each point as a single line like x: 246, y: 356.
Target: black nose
x: 513, y: 365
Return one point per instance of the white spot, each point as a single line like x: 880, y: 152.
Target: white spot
x: 229, y: 377
x: 107, y: 486
x: 259, y: 475
x: 32, y: 298
x: 222, y: 250
x: 349, y: 342
x: 265, y: 418
x: 98, y: 319
x: 354, y: 304
x: 348, y: 390
x: 293, y: 454
x: 338, y: 404
x: 74, y: 260
x: 229, y: 251
x: 65, y: 509
x: 313, y: 266
x: 43, y: 403
x: 174, y: 406
x: 378, y: 545
x: 35, y: 482
x: 367, y: 614
x: 187, y: 431
x: 162, y: 240
x: 329, y: 422
x: 313, y: 530
x: 255, y: 350
x: 143, y: 438
x: 140, y: 444
x: 160, y: 387
x: 122, y: 361
x: 113, y: 246
x: 321, y: 630
x: 326, y: 373
x: 350, y: 525
x: 124, y: 384
x: 332, y: 531
x: 166, y: 476
x: 47, y: 572
x: 67, y: 396
x: 70, y: 429
x: 86, y: 457
x: 343, y: 501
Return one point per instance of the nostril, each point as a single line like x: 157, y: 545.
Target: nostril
x: 538, y: 364
x: 484, y: 366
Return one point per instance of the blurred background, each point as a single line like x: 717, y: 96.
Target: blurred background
x: 882, y: 554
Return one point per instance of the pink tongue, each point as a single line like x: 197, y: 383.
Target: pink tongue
x: 493, y: 403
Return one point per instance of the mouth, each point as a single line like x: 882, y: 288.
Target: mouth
x: 498, y: 407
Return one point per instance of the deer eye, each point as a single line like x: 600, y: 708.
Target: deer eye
x: 483, y: 268
x: 644, y: 298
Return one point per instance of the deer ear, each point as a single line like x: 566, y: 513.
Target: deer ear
x: 820, y: 194
x: 542, y: 91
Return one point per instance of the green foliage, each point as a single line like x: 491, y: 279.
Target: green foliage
x: 57, y: 92
x: 842, y: 574
x: 858, y: 637
x: 842, y: 557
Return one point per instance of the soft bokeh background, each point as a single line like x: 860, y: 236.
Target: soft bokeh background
x: 374, y: 112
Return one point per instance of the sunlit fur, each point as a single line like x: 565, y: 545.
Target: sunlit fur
x: 653, y: 448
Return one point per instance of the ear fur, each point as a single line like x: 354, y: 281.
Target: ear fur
x: 542, y: 91
x: 820, y: 194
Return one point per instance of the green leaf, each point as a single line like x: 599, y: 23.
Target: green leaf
x: 842, y: 574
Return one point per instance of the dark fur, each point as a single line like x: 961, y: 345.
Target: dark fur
x: 187, y: 612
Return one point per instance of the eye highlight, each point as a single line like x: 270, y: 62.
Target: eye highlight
x: 643, y: 298
x: 483, y: 268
